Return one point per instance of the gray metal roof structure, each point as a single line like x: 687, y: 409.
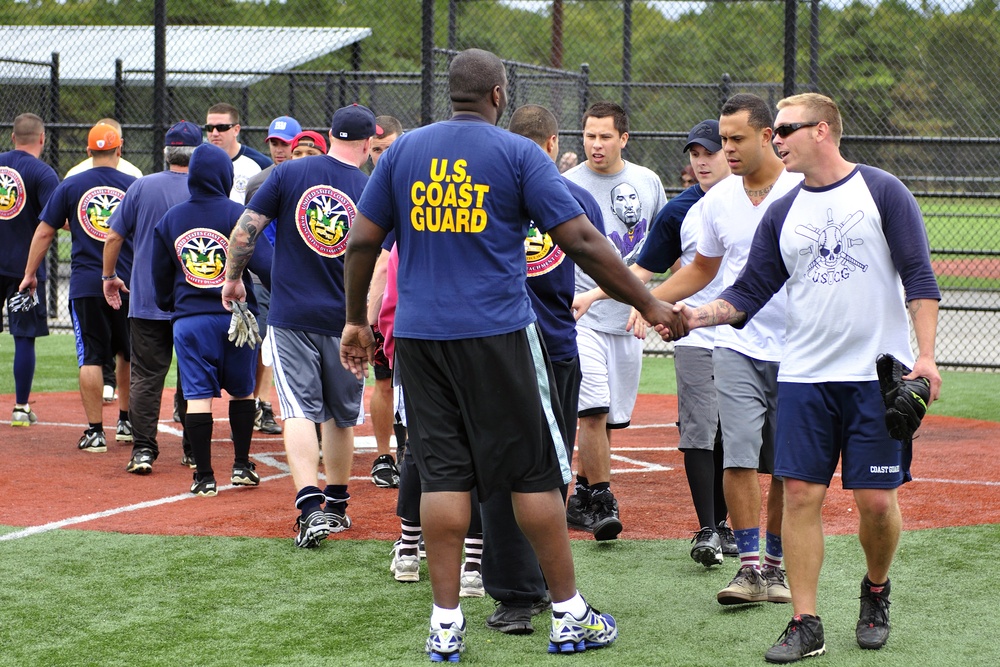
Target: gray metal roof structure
x: 197, y: 56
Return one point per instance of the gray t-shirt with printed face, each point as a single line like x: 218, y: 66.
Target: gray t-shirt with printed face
x: 630, y: 200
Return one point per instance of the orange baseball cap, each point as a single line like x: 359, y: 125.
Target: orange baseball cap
x: 103, y: 137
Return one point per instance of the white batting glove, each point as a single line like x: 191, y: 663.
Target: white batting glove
x: 243, y: 328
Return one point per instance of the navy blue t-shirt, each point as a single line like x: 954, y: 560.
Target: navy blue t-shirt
x: 551, y: 281
x: 87, y: 201
x: 663, y: 244
x: 312, y: 202
x: 460, y: 195
x: 191, y: 241
x: 26, y: 183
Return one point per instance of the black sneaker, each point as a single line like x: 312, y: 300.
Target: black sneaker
x: 803, y: 638
x: 123, y: 432
x: 510, y: 620
x: 92, y: 441
x: 188, y: 460
x: 707, y: 548
x: 313, y: 529
x: 385, y: 474
x: 264, y: 419
x: 203, y: 486
x: 604, y: 511
x: 578, y: 513
x: 336, y: 517
x: 141, y: 462
x: 244, y: 474
x: 728, y: 538
x: 873, y: 623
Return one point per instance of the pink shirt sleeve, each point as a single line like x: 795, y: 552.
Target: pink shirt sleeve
x: 387, y: 315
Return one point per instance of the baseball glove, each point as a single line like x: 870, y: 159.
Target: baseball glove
x: 22, y: 302
x: 243, y: 328
x: 905, y: 400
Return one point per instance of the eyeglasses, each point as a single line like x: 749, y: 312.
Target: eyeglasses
x: 220, y: 127
x: 785, y: 130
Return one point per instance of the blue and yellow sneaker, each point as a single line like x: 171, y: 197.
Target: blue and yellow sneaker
x: 446, y: 643
x: 573, y: 635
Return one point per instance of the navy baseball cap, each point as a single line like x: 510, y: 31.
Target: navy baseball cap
x: 283, y: 128
x: 354, y: 122
x: 184, y: 133
x: 705, y: 133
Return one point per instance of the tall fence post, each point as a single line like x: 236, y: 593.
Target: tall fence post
x: 627, y: 56
x: 53, y: 132
x: 814, y: 45
x: 52, y: 142
x: 159, y: 82
x: 725, y: 89
x: 427, y: 63
x: 584, y: 88
x: 119, y: 113
x: 791, y: 19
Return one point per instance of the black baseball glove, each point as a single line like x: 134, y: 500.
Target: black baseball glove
x: 905, y: 400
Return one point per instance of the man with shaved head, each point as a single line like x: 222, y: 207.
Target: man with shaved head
x: 460, y: 196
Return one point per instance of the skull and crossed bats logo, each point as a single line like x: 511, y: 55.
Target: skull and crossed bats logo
x: 832, y: 244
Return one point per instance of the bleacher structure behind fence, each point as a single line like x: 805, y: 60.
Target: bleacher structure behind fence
x: 918, y: 84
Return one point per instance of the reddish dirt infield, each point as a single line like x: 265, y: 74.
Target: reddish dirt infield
x: 48, y: 483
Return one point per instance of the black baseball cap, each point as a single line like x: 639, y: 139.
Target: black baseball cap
x: 705, y: 133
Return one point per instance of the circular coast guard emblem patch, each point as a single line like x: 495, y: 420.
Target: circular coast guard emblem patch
x: 96, y: 206
x: 11, y: 193
x: 202, y: 254
x: 324, y: 216
x: 542, y: 253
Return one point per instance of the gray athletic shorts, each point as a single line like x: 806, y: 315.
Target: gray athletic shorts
x: 748, y: 401
x: 610, y: 366
x: 311, y: 382
x: 697, y: 403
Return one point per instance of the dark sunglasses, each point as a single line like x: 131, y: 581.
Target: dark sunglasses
x: 221, y: 127
x: 785, y: 130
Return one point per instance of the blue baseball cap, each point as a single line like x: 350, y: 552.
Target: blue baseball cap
x: 184, y: 133
x: 283, y: 128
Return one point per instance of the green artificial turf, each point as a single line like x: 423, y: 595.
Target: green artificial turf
x: 88, y: 598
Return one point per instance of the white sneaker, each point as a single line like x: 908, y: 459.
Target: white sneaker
x: 471, y: 585
x: 404, y: 568
x: 23, y: 415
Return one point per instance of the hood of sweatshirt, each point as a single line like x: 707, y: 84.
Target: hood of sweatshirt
x: 210, y: 172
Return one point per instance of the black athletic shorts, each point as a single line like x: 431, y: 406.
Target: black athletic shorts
x: 31, y: 324
x: 101, y: 331
x: 481, y: 412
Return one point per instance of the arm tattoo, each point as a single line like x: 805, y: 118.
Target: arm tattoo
x: 242, y: 242
x: 719, y: 312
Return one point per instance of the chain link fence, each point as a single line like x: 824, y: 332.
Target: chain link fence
x: 917, y: 83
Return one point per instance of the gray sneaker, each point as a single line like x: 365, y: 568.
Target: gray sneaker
x: 728, y: 538
x: 803, y: 638
x: 777, y: 589
x: 747, y: 586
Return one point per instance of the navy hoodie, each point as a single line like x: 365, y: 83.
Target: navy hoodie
x: 192, y: 238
